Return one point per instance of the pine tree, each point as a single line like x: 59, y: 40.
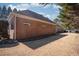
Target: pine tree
x: 9, y: 10
x: 15, y: 10
x: 69, y: 15
x: 0, y: 11
x: 4, y: 10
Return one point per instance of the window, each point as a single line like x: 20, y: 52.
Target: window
x: 44, y: 26
x: 27, y: 24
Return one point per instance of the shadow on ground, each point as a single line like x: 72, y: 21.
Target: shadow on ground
x: 35, y: 43
x: 8, y: 43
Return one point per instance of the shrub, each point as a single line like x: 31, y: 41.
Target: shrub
x: 4, y: 28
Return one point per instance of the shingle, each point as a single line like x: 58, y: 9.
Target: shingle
x: 34, y: 15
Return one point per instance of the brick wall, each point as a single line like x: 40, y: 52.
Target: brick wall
x: 26, y: 28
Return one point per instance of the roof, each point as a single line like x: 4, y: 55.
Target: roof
x: 30, y: 18
x: 34, y: 15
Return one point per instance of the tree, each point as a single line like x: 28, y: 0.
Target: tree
x: 15, y: 10
x: 9, y: 10
x: 4, y: 10
x: 69, y: 15
x: 0, y: 11
x: 64, y: 17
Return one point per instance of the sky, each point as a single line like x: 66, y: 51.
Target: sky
x: 50, y: 11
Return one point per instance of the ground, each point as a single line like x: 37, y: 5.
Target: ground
x: 59, y: 44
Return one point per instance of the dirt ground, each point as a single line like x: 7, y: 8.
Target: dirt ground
x: 61, y: 44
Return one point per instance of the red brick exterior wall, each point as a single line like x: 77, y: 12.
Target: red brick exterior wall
x: 26, y: 28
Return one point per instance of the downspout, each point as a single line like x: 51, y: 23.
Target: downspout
x: 15, y: 27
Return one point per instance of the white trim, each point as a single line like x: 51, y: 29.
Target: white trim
x: 9, y: 21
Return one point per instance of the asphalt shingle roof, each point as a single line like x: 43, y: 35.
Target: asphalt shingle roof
x: 34, y: 15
